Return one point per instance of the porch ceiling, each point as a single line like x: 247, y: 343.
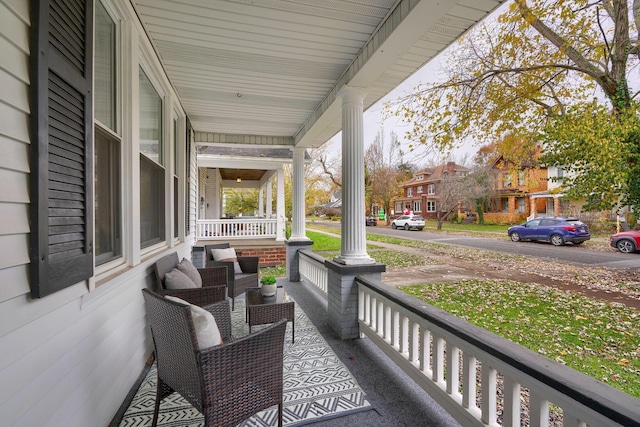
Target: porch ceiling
x: 274, y: 67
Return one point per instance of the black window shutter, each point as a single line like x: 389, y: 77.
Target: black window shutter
x: 61, y: 217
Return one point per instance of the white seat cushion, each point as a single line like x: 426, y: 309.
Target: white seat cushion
x: 228, y: 254
x: 204, y: 323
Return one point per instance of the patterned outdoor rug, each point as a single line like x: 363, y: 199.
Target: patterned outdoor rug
x: 317, y: 385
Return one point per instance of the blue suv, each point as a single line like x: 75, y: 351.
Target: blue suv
x: 558, y: 231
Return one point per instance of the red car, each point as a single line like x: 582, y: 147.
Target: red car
x: 626, y: 241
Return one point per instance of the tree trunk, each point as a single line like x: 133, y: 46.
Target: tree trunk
x: 479, y: 210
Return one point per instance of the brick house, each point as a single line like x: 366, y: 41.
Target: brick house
x: 512, y: 200
x: 420, y: 193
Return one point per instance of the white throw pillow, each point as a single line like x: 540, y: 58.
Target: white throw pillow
x: 191, y: 271
x: 204, y: 323
x: 176, y: 279
x: 228, y: 254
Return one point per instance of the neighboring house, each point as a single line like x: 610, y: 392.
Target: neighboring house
x: 512, y: 199
x: 420, y: 193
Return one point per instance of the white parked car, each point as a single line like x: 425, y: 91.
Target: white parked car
x: 408, y: 222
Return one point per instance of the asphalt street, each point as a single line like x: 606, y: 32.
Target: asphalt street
x: 569, y: 253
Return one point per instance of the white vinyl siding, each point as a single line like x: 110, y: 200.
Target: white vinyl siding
x: 68, y: 359
x: 14, y: 146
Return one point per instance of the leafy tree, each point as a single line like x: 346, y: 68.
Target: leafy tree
x: 451, y: 192
x: 382, y: 174
x: 241, y: 201
x: 479, y: 185
x: 532, y: 74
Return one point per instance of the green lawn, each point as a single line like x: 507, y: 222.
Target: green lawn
x: 329, y: 247
x: 592, y: 336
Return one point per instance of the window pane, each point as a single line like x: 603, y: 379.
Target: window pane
x: 108, y: 244
x: 151, y: 202
x: 105, y: 80
x: 150, y: 120
x: 176, y: 185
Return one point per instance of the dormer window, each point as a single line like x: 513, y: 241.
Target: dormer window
x: 419, y: 177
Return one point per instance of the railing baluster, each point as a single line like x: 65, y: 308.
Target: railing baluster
x: 488, y: 389
x: 570, y: 419
x: 414, y: 342
x: 425, y: 353
x: 367, y: 305
x: 511, y: 404
x: 380, y: 317
x: 437, y: 349
x: 374, y: 315
x: 469, y: 376
x: 404, y: 334
x: 453, y: 370
x: 538, y: 410
x: 395, y: 330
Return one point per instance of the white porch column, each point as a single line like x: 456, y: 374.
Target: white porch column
x: 269, y: 199
x: 219, y: 202
x: 261, y: 202
x: 280, y: 234
x: 298, y: 232
x: 353, y: 249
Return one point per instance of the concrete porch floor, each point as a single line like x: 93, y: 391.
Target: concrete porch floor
x: 397, y: 399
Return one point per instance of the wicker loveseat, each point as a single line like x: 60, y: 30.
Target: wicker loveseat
x: 238, y: 283
x: 214, y: 282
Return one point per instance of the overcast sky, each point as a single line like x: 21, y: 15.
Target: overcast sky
x: 374, y: 116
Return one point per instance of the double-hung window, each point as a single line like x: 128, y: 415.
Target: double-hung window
x: 431, y: 206
x: 152, y: 171
x: 176, y: 181
x: 431, y: 189
x: 107, y: 152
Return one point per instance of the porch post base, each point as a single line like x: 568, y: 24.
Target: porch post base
x: 342, y: 295
x: 293, y: 260
x: 198, y: 257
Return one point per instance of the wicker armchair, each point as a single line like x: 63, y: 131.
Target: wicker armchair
x: 214, y: 282
x: 227, y: 383
x: 237, y: 284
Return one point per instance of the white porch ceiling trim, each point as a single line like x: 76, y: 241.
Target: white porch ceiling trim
x: 268, y: 72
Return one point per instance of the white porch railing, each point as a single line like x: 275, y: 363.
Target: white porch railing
x: 313, y: 270
x: 459, y: 365
x: 237, y: 228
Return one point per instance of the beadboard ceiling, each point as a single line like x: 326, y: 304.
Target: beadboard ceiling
x: 275, y: 67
